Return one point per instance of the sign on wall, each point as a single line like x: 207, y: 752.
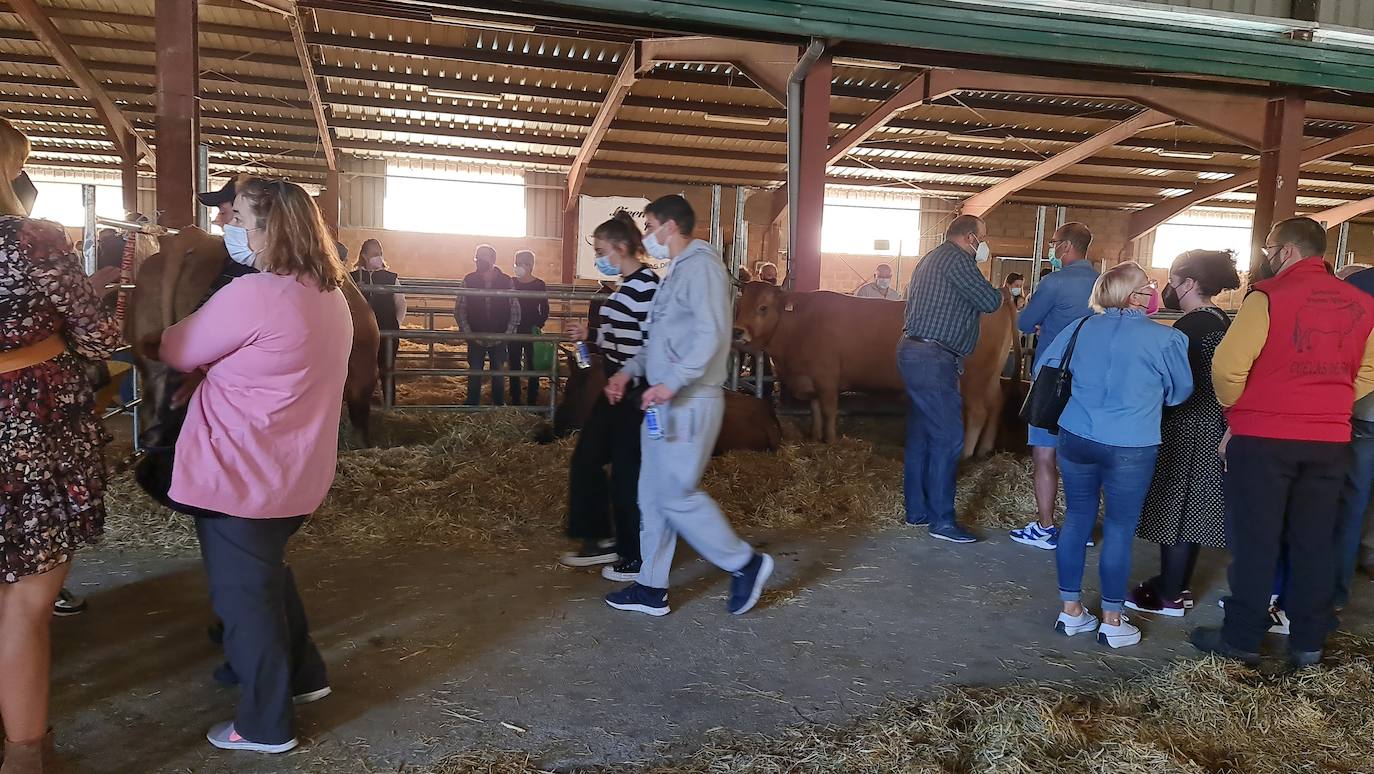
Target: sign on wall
x: 592, y: 212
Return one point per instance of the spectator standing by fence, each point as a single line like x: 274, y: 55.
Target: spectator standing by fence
x: 880, y: 286
x: 534, y: 312
x: 388, y: 308
x: 487, y: 314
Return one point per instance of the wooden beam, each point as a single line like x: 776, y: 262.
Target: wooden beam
x: 624, y: 80
x: 1147, y: 220
x: 1337, y: 215
x: 178, y: 112
x: 122, y: 134
x: 312, y: 88
x: 981, y: 202
x: 912, y: 94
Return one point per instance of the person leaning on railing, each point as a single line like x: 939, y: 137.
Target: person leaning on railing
x: 52, y: 485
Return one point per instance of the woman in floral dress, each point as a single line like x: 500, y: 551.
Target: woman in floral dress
x: 52, y: 477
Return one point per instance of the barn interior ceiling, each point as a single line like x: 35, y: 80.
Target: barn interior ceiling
x: 415, y: 79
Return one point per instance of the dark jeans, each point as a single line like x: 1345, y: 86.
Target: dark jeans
x: 610, y: 435
x: 1176, y: 565
x: 1282, y: 493
x: 1355, y: 496
x: 266, y: 635
x: 522, y: 359
x: 1090, y: 471
x: 934, y: 431
x: 478, y: 355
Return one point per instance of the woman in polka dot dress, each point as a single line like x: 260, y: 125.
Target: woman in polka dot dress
x: 1185, y: 508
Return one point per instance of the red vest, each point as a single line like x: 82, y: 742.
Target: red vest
x: 1302, y: 385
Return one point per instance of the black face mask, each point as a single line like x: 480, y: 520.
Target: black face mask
x: 1171, y: 299
x: 25, y: 190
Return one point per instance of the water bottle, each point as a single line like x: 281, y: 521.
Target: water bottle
x: 584, y: 356
x: 652, y: 424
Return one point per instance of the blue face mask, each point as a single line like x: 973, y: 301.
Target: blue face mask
x: 606, y: 266
x: 236, y: 242
x: 1055, y: 263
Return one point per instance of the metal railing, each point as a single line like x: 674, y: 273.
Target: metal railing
x: 395, y: 360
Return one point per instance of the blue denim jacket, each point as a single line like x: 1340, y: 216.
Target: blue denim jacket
x: 1126, y: 368
x: 1059, y: 299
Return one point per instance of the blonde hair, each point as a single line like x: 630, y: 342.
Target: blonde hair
x: 298, y: 242
x: 14, y: 151
x: 1114, y: 288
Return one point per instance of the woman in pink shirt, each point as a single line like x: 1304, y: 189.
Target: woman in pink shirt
x: 258, y: 450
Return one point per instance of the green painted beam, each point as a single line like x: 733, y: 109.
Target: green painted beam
x: 1219, y: 48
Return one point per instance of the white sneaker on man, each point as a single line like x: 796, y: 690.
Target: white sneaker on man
x: 1076, y: 624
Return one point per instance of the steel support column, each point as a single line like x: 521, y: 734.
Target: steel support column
x: 178, y: 111
x: 804, y: 257
x: 1280, y: 158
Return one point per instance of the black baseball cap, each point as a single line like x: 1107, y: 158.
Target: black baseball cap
x: 224, y: 195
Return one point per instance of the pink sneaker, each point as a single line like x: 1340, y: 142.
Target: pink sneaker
x: 223, y: 736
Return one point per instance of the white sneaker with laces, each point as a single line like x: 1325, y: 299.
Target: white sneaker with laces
x: 1035, y: 535
x: 1076, y: 624
x: 1119, y: 636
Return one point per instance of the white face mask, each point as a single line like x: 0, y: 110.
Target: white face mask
x: 656, y: 249
x: 374, y: 263
x: 521, y: 271
x: 236, y: 242
x: 1016, y: 291
x: 983, y: 254
x: 883, y: 282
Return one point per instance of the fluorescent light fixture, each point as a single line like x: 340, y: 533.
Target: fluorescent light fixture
x: 475, y: 96
x: 745, y: 120
x: 976, y: 138
x: 845, y: 61
x: 1362, y: 167
x: 485, y: 24
x: 1169, y: 153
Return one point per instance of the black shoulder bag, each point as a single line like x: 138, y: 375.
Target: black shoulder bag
x: 1050, y: 391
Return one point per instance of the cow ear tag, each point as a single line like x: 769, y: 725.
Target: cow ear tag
x: 787, y: 308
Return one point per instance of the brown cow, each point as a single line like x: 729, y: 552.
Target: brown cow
x: 823, y: 344
x: 750, y: 423
x: 174, y: 282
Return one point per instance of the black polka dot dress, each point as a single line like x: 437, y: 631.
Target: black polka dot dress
x: 1185, y: 503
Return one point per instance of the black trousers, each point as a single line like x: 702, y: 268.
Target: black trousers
x: 1282, y: 493
x: 522, y: 359
x: 610, y: 435
x: 266, y: 635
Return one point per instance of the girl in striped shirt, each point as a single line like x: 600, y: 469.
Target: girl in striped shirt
x: 611, y: 433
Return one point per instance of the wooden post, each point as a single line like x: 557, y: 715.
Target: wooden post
x: 178, y: 111
x: 806, y: 253
x: 128, y: 179
x: 1277, y: 197
x: 329, y: 202
x: 570, y: 240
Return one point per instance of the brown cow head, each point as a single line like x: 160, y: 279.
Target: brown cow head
x: 757, y: 315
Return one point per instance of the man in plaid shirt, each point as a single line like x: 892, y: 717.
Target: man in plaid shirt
x: 944, y: 300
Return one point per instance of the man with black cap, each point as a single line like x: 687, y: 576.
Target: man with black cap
x: 222, y: 201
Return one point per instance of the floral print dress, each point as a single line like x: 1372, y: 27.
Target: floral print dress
x: 52, y: 472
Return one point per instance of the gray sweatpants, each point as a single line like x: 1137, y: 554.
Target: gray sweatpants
x: 671, y: 502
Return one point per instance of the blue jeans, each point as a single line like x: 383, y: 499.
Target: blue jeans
x: 934, y: 430
x: 1355, y: 495
x: 1089, y: 470
x: 496, y: 355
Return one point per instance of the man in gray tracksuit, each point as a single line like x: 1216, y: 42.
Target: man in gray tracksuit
x: 684, y: 364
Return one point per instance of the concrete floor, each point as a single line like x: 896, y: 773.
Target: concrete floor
x: 434, y: 654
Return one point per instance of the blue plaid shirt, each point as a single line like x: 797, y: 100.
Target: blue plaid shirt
x: 946, y: 295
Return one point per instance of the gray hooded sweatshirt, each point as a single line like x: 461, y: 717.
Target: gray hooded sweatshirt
x: 689, y: 326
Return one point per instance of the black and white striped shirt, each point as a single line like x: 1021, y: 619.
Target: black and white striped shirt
x: 621, y: 325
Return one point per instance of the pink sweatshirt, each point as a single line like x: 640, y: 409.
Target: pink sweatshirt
x: 262, y: 431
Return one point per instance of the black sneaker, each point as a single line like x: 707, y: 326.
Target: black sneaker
x: 592, y: 553
x: 622, y: 572
x: 747, y: 584
x: 1208, y: 639
x: 640, y: 599
x: 67, y: 604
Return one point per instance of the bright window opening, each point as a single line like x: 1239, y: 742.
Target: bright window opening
x: 1201, y: 230
x: 882, y: 227
x: 61, y: 202
x: 454, y: 202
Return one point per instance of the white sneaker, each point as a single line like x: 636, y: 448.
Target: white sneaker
x: 1120, y: 636
x: 310, y: 697
x: 1035, y: 535
x: 1071, y: 625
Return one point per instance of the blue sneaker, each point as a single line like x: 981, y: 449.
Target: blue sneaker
x: 952, y: 533
x: 640, y: 599
x: 918, y: 521
x: 1035, y: 535
x: 747, y: 584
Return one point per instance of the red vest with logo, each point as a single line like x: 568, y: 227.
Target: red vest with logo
x: 1302, y: 385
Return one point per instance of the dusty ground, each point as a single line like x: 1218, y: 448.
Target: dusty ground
x: 434, y: 653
